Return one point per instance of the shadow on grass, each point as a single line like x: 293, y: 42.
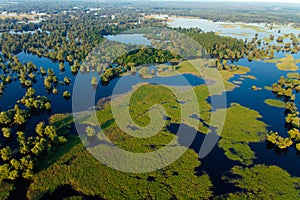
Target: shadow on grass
x: 66, y: 191
x: 49, y: 159
x: 107, y: 123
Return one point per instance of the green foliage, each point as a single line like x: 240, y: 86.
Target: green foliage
x: 94, y: 80
x: 237, y: 151
x: 264, y: 182
x: 5, y: 119
x: 21, y: 161
x: 241, y: 128
x: 279, y: 141
x: 6, y: 153
x: 6, y: 132
x: 88, y: 176
x: 287, y: 87
x: 39, y: 129
x: 90, y: 131
x: 5, y: 189
x: 222, y: 47
x: 66, y: 94
x: 67, y: 81
x: 55, y: 91
x: 275, y: 103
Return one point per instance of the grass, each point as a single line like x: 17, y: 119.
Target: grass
x: 287, y: 66
x: 237, y: 151
x: 293, y: 75
x: 228, y: 26
x: 88, y: 176
x: 252, y: 27
x: 249, y: 77
x: 241, y: 128
x: 74, y: 166
x: 232, y: 34
x: 288, y: 63
x: 60, y: 120
x: 148, y: 95
x: 241, y: 34
x: 269, y: 88
x: 200, y: 67
x: 5, y: 190
x: 268, y: 40
x: 275, y: 103
x: 264, y: 182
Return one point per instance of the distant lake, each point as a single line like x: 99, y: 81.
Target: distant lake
x: 237, y: 30
x: 137, y: 39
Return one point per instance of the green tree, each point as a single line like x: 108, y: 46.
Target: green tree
x: 66, y: 94
x: 51, y: 133
x: 67, y: 81
x: 6, y: 132
x: 94, y: 81
x: 4, y: 172
x: 5, y: 118
x: 90, y: 131
x: 6, y: 153
x: 39, y: 129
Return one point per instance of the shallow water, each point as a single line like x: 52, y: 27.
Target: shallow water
x: 237, y: 30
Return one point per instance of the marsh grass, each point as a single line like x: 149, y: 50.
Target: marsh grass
x: 264, y: 182
x: 275, y: 103
x: 6, y: 189
x: 241, y: 128
x: 288, y: 63
x: 90, y: 177
x: 228, y: 26
x: 252, y: 27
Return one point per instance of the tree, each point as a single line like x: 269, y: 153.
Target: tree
x: 39, y: 146
x: 16, y: 164
x: 6, y: 132
x: 4, y: 172
x: 54, y: 91
x: 294, y: 134
x: 62, y: 139
x: 47, y: 83
x: 51, y: 133
x: 90, y: 131
x: 66, y: 94
x: 39, y: 129
x: 43, y: 71
x: 94, y: 81
x: 61, y: 66
x: 30, y: 92
x: 6, y: 153
x: 280, y: 39
x: 67, y: 81
x: 5, y: 118
x: 20, y: 117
